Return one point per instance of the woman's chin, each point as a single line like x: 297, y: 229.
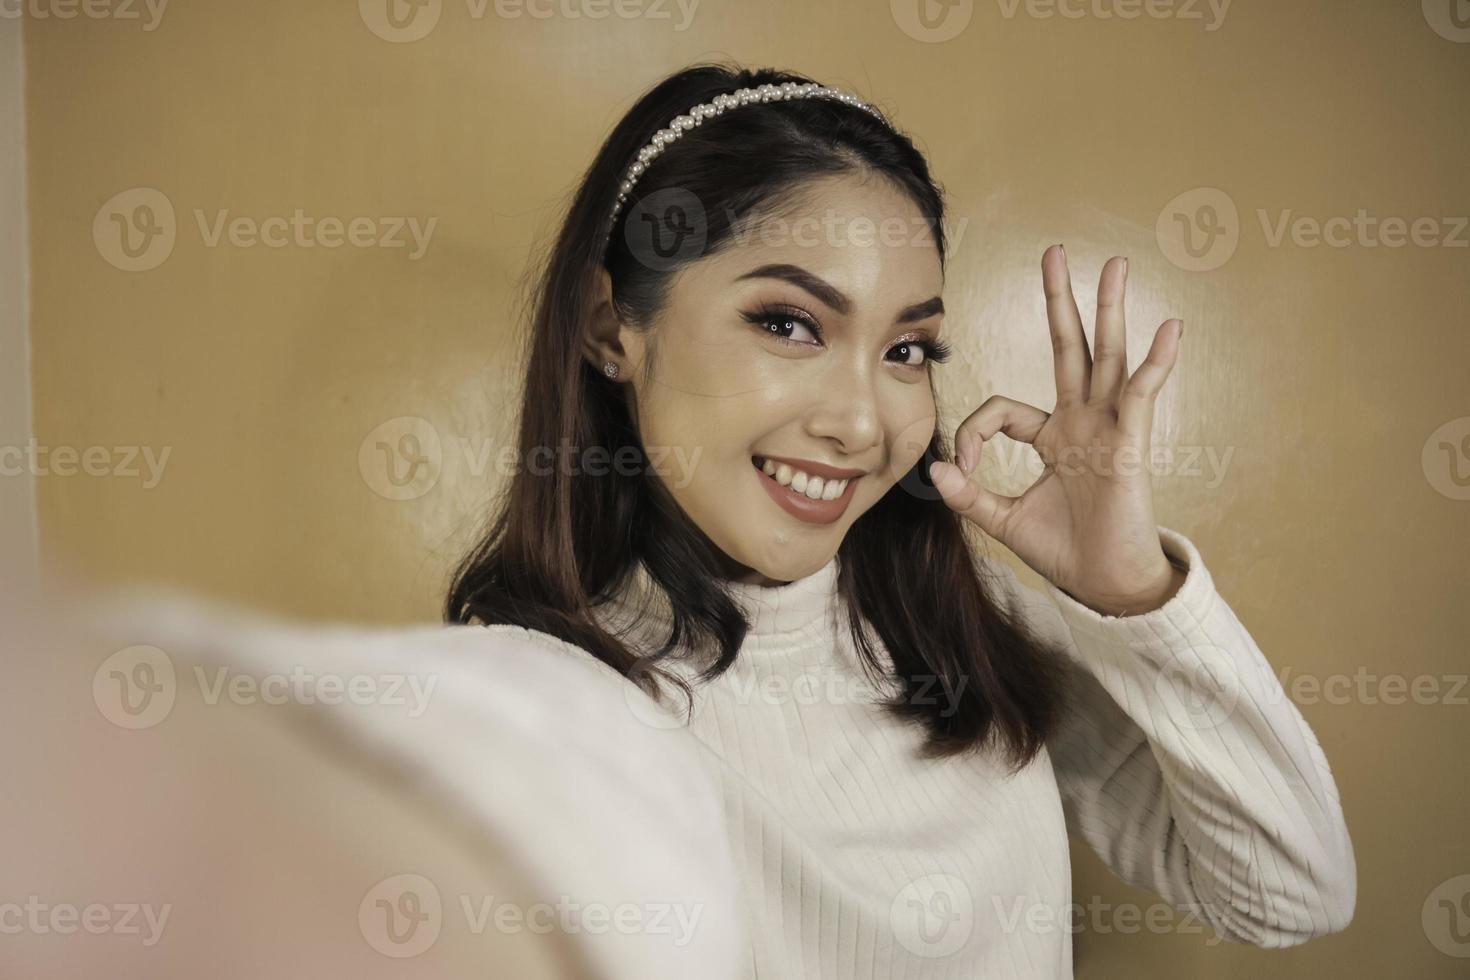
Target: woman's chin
x: 784, y: 558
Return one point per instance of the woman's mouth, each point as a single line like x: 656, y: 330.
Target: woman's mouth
x: 805, y: 496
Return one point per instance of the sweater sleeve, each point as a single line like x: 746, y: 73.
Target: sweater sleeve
x: 1187, y: 769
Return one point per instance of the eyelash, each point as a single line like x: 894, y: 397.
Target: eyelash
x: 935, y: 351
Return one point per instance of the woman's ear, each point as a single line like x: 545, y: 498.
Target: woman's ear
x: 602, y: 343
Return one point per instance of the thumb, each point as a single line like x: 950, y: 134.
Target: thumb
x: 970, y: 500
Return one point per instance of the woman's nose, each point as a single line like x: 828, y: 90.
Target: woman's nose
x: 845, y: 410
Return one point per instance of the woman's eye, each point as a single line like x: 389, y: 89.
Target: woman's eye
x: 922, y: 353
x: 790, y: 327
x: 909, y: 354
x: 784, y: 326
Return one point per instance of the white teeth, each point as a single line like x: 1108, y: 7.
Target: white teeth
x: 814, y: 487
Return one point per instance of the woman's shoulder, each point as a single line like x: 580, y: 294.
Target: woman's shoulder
x: 543, y: 661
x: 521, y: 640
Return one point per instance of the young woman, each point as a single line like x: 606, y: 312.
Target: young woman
x: 733, y: 351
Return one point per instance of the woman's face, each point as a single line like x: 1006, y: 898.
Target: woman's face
x: 800, y: 349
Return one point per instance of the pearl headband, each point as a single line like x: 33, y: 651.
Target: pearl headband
x: 708, y: 110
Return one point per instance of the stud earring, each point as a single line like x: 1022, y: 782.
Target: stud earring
x: 610, y: 369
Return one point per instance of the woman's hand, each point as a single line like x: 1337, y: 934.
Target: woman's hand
x: 1087, y: 525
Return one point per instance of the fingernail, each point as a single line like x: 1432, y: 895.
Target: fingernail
x: 1125, y: 265
x: 1181, y: 329
x: 972, y: 453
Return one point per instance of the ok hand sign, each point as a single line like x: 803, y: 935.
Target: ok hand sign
x: 1087, y: 525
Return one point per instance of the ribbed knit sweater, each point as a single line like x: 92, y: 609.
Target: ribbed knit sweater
x: 1182, y: 763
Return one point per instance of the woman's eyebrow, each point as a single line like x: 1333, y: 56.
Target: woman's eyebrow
x: 834, y: 297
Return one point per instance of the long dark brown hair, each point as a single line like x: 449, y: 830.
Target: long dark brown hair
x: 558, y: 544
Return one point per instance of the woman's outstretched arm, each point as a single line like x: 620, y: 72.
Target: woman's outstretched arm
x: 1187, y: 769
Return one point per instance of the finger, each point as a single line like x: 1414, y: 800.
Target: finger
x: 970, y: 500
x: 997, y: 414
x: 1136, y: 405
x: 1068, y: 342
x: 1110, y: 333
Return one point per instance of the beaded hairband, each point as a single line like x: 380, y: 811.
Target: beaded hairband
x: 734, y: 100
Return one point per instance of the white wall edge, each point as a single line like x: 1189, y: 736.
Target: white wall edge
x: 19, y: 530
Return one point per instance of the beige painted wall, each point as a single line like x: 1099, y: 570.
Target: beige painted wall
x: 1313, y: 384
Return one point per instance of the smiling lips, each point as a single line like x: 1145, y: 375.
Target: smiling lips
x: 807, y: 490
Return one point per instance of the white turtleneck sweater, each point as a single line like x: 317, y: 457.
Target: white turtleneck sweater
x: 791, y: 830
x: 1184, y: 766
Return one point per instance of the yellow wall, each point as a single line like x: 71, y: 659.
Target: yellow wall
x: 1337, y: 532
